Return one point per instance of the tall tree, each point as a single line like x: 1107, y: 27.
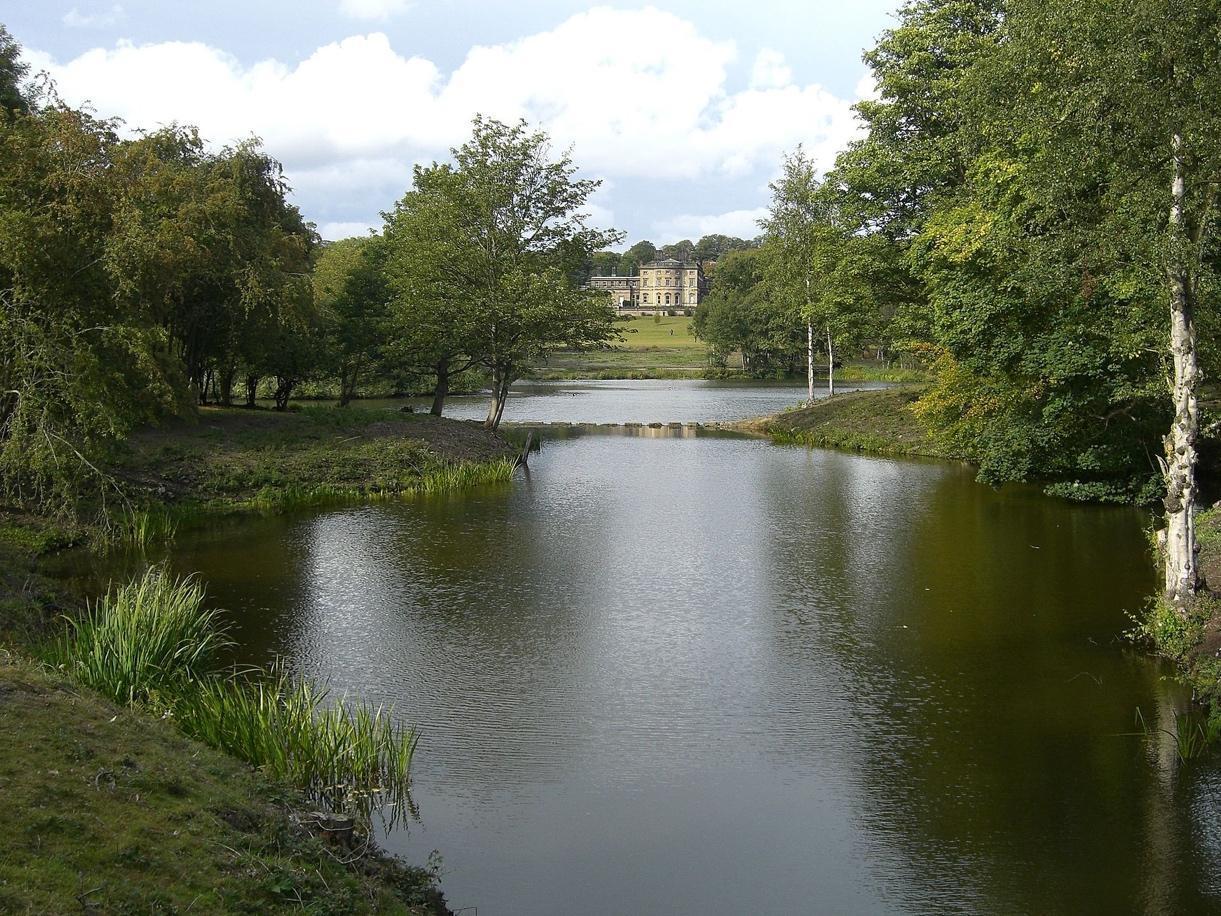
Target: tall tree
x: 1119, y: 108
x: 801, y: 242
x: 433, y: 317
x: 641, y: 253
x: 13, y: 71
x: 509, y: 237
x: 351, y: 294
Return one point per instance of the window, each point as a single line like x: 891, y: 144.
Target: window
x: 646, y: 298
x: 667, y: 298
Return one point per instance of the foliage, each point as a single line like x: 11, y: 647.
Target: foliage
x: 136, y: 277
x: 488, y: 253
x: 741, y: 313
x: 152, y: 642
x: 148, y: 637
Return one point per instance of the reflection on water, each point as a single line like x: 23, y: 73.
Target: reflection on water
x: 710, y: 675
x: 639, y: 401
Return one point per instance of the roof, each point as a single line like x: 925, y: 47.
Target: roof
x: 671, y: 263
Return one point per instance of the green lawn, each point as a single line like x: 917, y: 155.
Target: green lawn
x: 663, y: 332
x: 645, y: 345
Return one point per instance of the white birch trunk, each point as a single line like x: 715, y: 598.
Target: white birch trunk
x: 810, y: 358
x: 830, y: 365
x: 1179, y: 465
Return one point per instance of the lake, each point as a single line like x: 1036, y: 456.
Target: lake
x: 692, y: 674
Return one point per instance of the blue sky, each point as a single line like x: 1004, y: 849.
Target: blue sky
x: 683, y: 108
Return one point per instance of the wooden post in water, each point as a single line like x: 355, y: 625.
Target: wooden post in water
x: 523, y: 460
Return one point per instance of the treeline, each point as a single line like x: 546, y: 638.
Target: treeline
x: 136, y: 277
x: 142, y: 277
x: 708, y: 249
x: 1032, y: 211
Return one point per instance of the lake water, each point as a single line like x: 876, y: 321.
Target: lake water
x: 694, y: 675
x: 633, y: 401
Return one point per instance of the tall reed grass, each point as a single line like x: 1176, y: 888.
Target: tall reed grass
x: 345, y: 756
x: 151, y: 642
x: 142, y: 638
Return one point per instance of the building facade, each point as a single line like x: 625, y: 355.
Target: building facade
x: 660, y: 287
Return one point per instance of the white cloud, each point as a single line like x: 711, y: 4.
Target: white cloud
x: 867, y: 87
x: 333, y: 232
x: 743, y: 224
x: 634, y: 93
x: 75, y: 19
x: 372, y: 9
x: 770, y: 71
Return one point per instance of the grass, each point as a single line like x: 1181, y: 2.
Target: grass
x: 880, y: 422
x: 147, y: 637
x: 109, y: 810
x: 152, y: 642
x: 670, y: 333
x: 236, y: 460
x: 661, y: 348
x: 1191, y: 637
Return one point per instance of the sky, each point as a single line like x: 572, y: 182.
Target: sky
x: 682, y: 108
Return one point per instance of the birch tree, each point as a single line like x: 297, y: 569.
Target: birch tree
x: 805, y: 249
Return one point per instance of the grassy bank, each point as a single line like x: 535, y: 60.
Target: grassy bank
x: 238, y: 460
x: 880, y: 422
x: 109, y: 810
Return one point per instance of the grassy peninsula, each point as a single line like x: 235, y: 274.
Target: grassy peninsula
x: 109, y: 810
x: 878, y: 421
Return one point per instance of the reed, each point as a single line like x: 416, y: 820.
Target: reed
x: 144, y: 527
x: 152, y: 642
x: 346, y: 756
x: 1191, y: 739
x: 142, y: 638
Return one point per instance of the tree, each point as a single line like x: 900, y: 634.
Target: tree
x: 679, y: 251
x: 714, y: 247
x: 1116, y: 172
x: 639, y: 254
x: 351, y: 294
x: 800, y: 242
x: 741, y: 314
x: 78, y: 371
x: 14, y: 99
x: 508, y: 236
x: 604, y: 264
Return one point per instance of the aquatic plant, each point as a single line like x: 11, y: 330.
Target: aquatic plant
x: 346, y: 756
x: 1190, y: 736
x: 152, y: 642
x: 146, y: 636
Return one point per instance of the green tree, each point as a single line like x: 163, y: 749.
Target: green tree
x: 507, y: 236
x: 802, y: 243
x: 78, y: 370
x: 639, y: 254
x: 1101, y: 121
x: 714, y: 247
x: 740, y: 314
x: 352, y: 294
x: 14, y: 99
x: 679, y: 251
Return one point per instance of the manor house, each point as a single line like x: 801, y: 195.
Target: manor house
x: 660, y: 287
